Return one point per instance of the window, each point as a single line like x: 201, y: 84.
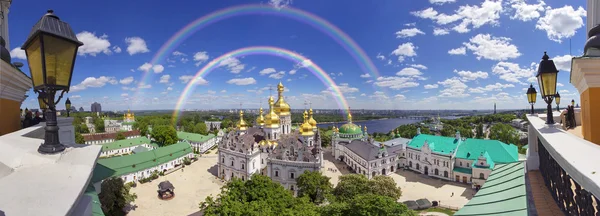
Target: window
x: 276, y: 173
x: 461, y: 163
x: 292, y: 187
x: 481, y: 176
x: 231, y: 163
x: 242, y: 178
x: 243, y: 166
x: 292, y: 175
x: 467, y: 164
x: 446, y: 174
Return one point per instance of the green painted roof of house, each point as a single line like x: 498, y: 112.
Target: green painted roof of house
x: 125, y: 143
x: 500, y: 152
x: 128, y: 123
x: 96, y: 206
x: 488, y: 160
x: 194, y: 137
x: 438, y: 144
x: 118, y: 166
x: 462, y: 170
x: 502, y: 194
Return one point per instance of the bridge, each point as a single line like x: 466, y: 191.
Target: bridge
x: 416, y: 117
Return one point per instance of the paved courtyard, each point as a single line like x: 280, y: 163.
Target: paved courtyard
x: 414, y: 186
x: 192, y: 185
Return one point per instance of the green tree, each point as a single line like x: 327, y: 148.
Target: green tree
x: 504, y: 133
x: 352, y: 185
x: 99, y: 125
x: 164, y: 134
x: 325, y: 137
x: 480, y: 134
x: 115, y: 196
x: 385, y: 186
x: 79, y: 138
x: 226, y: 123
x: 372, y: 204
x: 314, y: 185
x: 448, y: 131
x: 120, y: 136
x: 258, y: 195
x: 201, y: 128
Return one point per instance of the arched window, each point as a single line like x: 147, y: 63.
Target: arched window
x: 436, y: 171
x: 481, y: 176
x: 446, y: 174
x: 276, y: 173
x: 292, y: 175
x: 231, y: 162
x: 243, y: 166
x: 410, y: 163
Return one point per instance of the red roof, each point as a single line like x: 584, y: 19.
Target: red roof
x: 105, y: 136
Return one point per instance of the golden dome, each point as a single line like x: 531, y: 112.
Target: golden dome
x: 241, y: 124
x: 271, y: 119
x: 311, y: 120
x: 306, y: 129
x: 281, y: 107
x: 260, y: 120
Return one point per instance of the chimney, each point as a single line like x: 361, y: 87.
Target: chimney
x: 585, y: 73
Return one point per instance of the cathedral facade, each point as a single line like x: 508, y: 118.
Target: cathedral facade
x: 271, y: 147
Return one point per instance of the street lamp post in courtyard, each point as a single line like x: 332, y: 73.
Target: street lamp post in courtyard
x: 51, y: 50
x: 68, y: 106
x: 557, y: 100
x: 546, y: 76
x: 531, y: 96
x: 43, y: 107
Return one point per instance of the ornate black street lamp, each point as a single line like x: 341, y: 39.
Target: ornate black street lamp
x: 43, y: 107
x: 573, y: 103
x: 51, y: 49
x: 531, y: 96
x: 546, y: 76
x: 68, y: 106
x: 557, y: 100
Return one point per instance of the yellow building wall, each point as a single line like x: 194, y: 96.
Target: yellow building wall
x: 590, y: 115
x: 10, y: 116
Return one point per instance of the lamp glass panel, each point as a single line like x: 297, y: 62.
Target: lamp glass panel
x: 547, y: 83
x: 42, y: 104
x: 531, y: 97
x: 557, y: 100
x: 34, y: 60
x: 59, y: 55
x: 68, y: 106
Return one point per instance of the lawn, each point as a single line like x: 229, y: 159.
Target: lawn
x: 441, y: 210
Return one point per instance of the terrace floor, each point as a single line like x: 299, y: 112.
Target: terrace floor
x: 544, y: 203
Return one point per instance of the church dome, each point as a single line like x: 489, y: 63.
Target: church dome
x: 306, y: 128
x: 241, y: 124
x: 282, y: 108
x: 271, y: 119
x: 350, y: 128
x: 260, y: 120
x: 311, y: 120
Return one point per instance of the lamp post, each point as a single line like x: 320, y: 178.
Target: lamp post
x: 51, y: 50
x: 531, y: 96
x: 68, y: 106
x: 573, y: 103
x: 546, y: 76
x: 43, y: 106
x: 557, y: 100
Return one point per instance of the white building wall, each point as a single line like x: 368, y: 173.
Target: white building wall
x: 136, y: 176
x: 287, y: 172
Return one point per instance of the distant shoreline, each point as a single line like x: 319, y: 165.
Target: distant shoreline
x: 357, y: 121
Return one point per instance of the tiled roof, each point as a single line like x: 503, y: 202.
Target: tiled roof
x: 105, y: 136
x: 462, y: 170
x: 118, y: 166
x: 471, y: 149
x: 366, y: 150
x: 194, y: 137
x: 119, y: 144
x: 503, y: 193
x: 438, y: 144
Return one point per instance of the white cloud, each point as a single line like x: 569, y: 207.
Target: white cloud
x: 292, y: 71
x: 251, y: 69
x: 526, y: 12
x: 365, y: 75
x: 441, y: 1
x: 198, y: 81
x: 165, y: 78
x: 136, y: 45
x: 396, y: 82
x: 211, y: 92
x: 267, y: 71
x: 410, y: 32
x: 454, y: 88
x: 405, y: 50
x: 493, y: 87
x: 458, y: 51
x: 18, y: 53
x: 412, y: 72
x: 399, y: 97
x: 223, y: 91
x: 93, y: 82
x: 158, y: 68
x: 380, y: 57
x: 144, y: 86
x: 177, y: 53
x: 470, y: 76
x: 200, y: 57
x: 431, y: 86
x: 492, y: 48
x: 233, y: 64
x: 419, y: 66
x: 278, y: 75
x: 242, y: 81
x: 124, y: 95
x: 126, y: 80
x: 512, y: 72
x: 562, y: 22
x: 440, y: 31
x: 93, y: 45
x: 563, y: 63
x: 343, y: 87
x: 116, y: 49
x: 379, y: 95
x: 560, y: 84
x: 476, y: 16
x: 280, y: 3
x: 169, y: 88
x: 563, y: 91
x: 145, y: 67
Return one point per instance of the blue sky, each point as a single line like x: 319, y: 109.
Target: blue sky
x: 431, y: 54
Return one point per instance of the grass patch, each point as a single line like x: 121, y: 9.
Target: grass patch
x: 441, y: 210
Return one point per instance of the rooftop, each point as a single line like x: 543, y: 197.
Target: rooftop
x: 194, y: 137
x: 119, y: 144
x: 438, y: 144
x: 500, y: 152
x: 104, y: 136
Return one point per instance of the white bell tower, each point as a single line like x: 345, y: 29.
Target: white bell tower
x: 4, y: 5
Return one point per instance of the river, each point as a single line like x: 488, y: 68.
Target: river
x: 380, y: 126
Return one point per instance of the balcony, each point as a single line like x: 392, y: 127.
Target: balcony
x: 563, y: 170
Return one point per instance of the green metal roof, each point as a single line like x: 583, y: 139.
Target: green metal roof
x: 350, y: 128
x: 96, y: 206
x: 488, y: 160
x: 462, y: 170
x: 438, y: 144
x: 118, y: 166
x: 128, y: 123
x: 502, y: 194
x: 500, y: 152
x: 194, y: 137
x: 125, y: 143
